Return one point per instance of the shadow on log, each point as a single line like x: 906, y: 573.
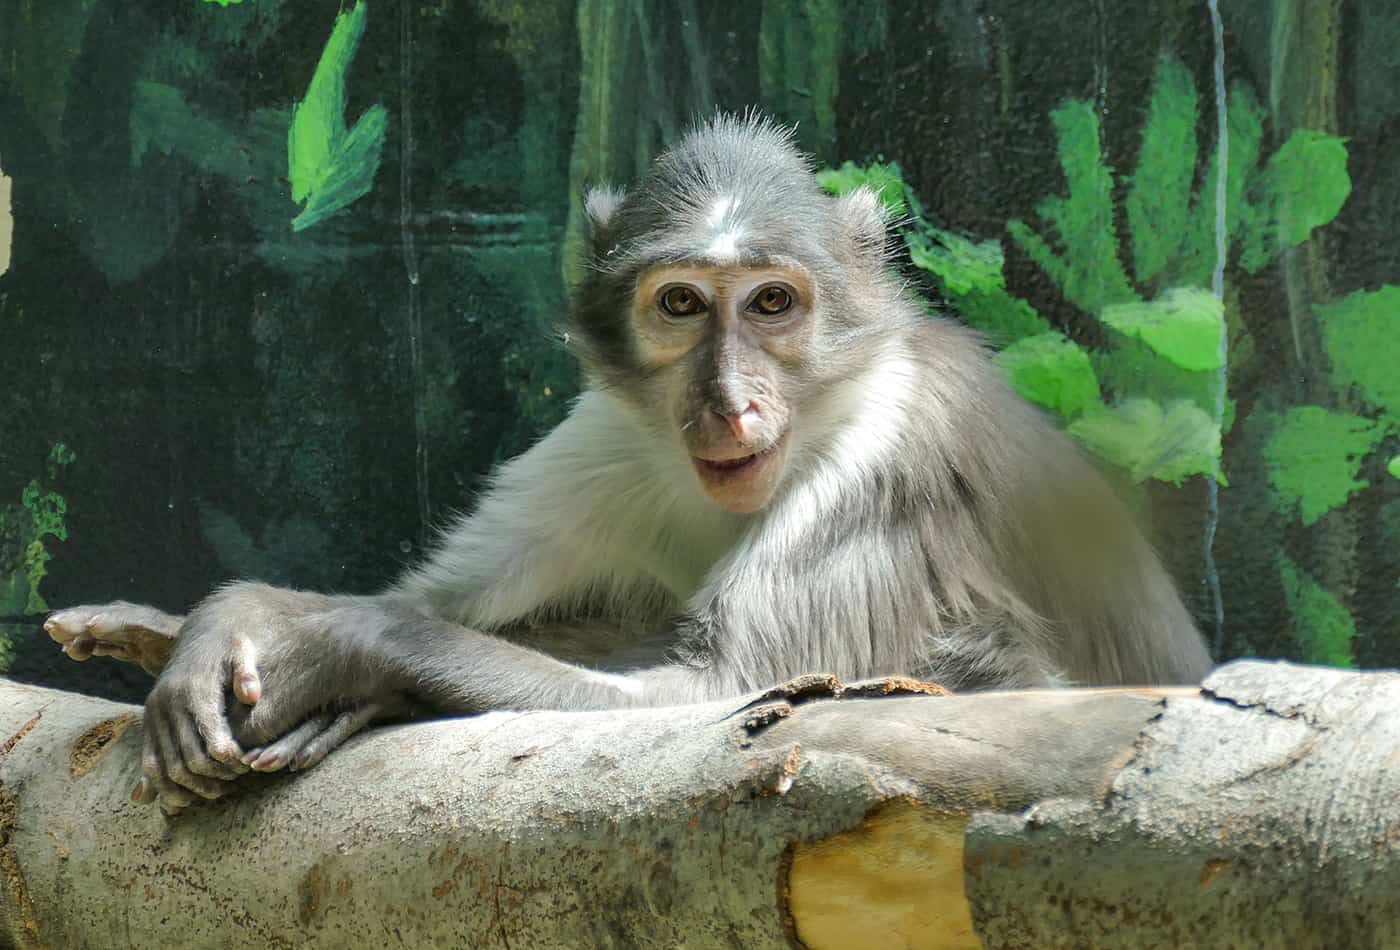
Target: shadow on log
x: 1260, y: 810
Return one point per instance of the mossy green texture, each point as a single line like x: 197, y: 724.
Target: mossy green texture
x: 225, y: 3
x: 1314, y: 457
x: 1321, y: 623
x: 1361, y: 333
x: 40, y: 514
x: 328, y: 166
x: 1051, y: 371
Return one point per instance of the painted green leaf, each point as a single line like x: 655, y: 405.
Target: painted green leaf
x: 1321, y: 622
x: 1147, y: 441
x: 1244, y: 118
x: 1002, y: 318
x: 1088, y: 273
x: 1052, y: 371
x: 1361, y: 333
x: 884, y: 180
x: 1158, y: 203
x: 1393, y: 467
x: 161, y: 121
x: 330, y: 168
x: 970, y: 276
x: 48, y: 509
x: 1184, y: 325
x: 1313, y: 457
x: 224, y: 3
x: 1131, y: 368
x: 60, y: 455
x: 1307, y: 182
x: 959, y: 264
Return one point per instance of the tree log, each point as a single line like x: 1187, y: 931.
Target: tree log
x: 1260, y: 810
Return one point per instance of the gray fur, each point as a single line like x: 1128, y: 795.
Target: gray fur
x: 929, y: 521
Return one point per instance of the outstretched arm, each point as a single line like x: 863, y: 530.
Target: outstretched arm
x: 264, y: 677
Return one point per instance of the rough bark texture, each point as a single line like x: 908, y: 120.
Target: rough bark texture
x: 1258, y: 811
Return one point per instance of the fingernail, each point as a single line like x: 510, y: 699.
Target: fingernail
x: 138, y: 792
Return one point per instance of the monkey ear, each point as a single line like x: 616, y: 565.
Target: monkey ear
x: 863, y: 214
x: 599, y: 206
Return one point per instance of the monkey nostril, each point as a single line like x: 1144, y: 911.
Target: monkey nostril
x: 743, y: 422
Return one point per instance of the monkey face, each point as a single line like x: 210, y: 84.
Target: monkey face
x: 720, y: 344
x: 726, y: 300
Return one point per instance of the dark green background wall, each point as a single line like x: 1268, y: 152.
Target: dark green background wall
x: 192, y: 390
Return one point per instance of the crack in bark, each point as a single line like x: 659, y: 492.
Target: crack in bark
x: 1297, y: 712
x: 24, y: 730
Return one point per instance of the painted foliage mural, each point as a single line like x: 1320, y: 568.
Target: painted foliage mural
x: 278, y: 280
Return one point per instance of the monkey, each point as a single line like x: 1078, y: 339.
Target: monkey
x: 780, y: 463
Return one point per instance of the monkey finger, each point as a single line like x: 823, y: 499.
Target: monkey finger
x: 174, y: 800
x: 119, y: 651
x: 247, y: 685
x: 124, y: 621
x: 154, y: 785
x: 175, y: 770
x: 144, y: 793
x: 72, y: 623
x: 272, y: 757
x: 80, y: 648
x: 116, y: 621
x: 213, y: 728
x: 345, y: 725
x: 197, y: 759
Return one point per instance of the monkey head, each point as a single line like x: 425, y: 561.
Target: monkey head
x: 726, y: 296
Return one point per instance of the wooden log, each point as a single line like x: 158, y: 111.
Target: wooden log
x: 1261, y: 810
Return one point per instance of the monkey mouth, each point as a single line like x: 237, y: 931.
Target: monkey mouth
x: 727, y: 469
x: 731, y: 465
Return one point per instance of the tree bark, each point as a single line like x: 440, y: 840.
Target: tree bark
x: 1260, y: 810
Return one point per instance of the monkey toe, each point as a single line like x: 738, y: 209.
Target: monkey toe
x: 344, y: 726
x: 277, y: 755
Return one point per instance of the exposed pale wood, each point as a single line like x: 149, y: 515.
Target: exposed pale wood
x: 894, y: 880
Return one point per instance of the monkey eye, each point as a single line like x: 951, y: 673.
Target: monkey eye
x: 681, y: 301
x: 771, y: 301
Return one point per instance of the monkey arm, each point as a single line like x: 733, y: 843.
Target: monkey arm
x: 311, y: 670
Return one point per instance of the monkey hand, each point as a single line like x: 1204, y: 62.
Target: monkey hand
x: 125, y: 631
x: 259, y: 680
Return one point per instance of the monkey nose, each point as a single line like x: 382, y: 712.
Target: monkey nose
x: 741, y: 423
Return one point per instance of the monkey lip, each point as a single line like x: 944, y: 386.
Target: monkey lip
x: 735, y: 467
x: 731, y: 465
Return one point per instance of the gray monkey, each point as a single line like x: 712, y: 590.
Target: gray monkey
x: 781, y: 464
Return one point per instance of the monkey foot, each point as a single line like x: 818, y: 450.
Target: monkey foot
x: 121, y: 630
